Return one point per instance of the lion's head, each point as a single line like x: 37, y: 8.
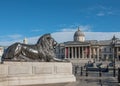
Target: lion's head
x: 47, y: 42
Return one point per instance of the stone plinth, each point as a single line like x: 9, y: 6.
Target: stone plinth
x: 26, y: 73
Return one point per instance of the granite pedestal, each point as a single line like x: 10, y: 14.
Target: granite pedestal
x: 30, y: 73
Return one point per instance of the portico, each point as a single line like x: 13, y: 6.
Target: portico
x: 77, y: 50
x: 81, y: 52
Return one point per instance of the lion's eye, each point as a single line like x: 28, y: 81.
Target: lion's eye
x: 48, y: 38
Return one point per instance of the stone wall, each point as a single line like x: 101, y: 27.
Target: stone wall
x: 25, y: 73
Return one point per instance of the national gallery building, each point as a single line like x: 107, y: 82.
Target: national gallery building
x: 89, y: 50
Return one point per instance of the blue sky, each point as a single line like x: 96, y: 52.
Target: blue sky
x: 32, y: 18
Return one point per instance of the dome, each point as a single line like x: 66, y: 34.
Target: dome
x: 79, y: 33
x: 79, y: 36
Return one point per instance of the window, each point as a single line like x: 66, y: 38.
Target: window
x: 105, y: 57
x: 119, y: 49
x: 100, y: 50
x: 104, y: 49
x: 110, y: 56
x: 110, y: 50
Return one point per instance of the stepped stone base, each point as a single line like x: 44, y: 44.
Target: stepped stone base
x: 30, y: 73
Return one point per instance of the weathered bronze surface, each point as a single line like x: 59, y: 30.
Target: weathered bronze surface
x: 43, y: 50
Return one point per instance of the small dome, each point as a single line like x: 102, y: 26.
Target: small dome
x: 78, y: 33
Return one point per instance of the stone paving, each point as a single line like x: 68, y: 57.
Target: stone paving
x: 88, y: 81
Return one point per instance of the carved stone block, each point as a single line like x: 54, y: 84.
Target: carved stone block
x: 18, y: 70
x: 42, y: 70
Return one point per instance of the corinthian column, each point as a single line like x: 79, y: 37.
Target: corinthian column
x: 82, y: 53
x: 72, y: 52
x: 97, y: 53
x: 68, y: 52
x: 65, y: 52
x: 75, y: 52
x: 89, y: 52
x: 79, y: 51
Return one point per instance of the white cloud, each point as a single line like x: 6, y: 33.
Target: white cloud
x: 67, y: 30
x: 15, y: 36
x: 62, y: 36
x: 101, y: 35
x: 106, y: 8
x: 101, y: 10
x: 35, y: 30
x: 33, y: 40
x: 86, y: 28
x: 8, y: 43
x: 110, y: 13
x: 100, y: 14
x: 105, y: 13
x: 68, y: 36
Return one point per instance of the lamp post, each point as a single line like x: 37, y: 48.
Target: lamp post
x: 113, y: 45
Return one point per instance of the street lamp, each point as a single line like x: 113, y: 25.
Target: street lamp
x: 114, y: 39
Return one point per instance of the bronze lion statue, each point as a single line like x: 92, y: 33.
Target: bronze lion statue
x: 43, y: 50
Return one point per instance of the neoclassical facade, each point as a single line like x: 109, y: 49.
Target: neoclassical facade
x: 81, y: 49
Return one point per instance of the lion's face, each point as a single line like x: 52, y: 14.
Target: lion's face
x: 52, y: 42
